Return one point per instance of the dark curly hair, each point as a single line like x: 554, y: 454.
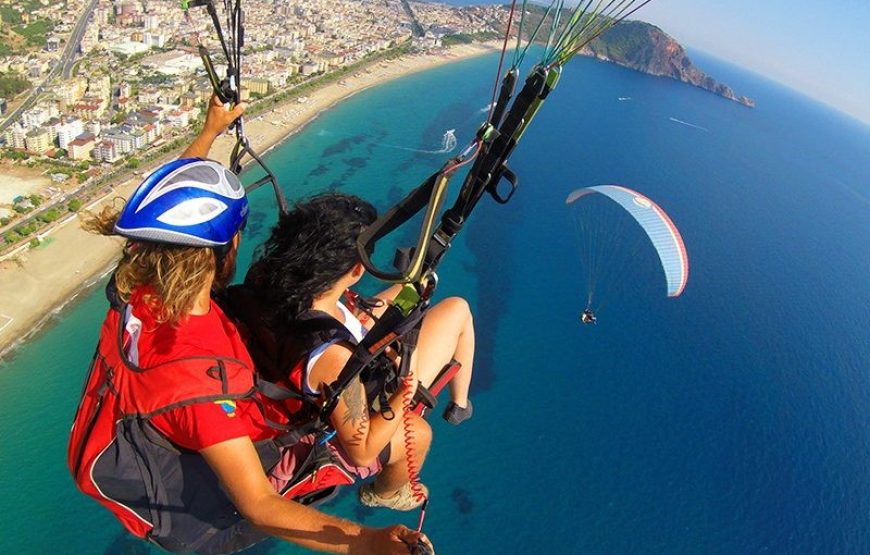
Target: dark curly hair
x: 310, y: 248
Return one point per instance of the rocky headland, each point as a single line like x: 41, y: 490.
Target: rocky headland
x: 644, y: 47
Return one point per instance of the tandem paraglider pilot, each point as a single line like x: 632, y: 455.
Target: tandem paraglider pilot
x: 169, y: 434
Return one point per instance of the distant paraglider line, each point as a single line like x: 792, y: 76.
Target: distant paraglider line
x: 687, y: 124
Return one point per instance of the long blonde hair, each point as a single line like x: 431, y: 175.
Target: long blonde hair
x: 175, y: 274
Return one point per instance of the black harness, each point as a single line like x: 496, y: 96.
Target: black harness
x: 280, y: 350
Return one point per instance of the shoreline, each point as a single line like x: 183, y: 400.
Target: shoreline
x: 42, y: 282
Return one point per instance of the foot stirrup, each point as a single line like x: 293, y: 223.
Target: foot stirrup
x: 457, y: 415
x: 425, y: 398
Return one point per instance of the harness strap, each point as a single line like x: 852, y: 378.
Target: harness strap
x: 319, y: 327
x: 295, y: 433
x: 391, y: 327
x: 276, y: 392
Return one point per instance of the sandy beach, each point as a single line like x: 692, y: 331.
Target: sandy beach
x: 20, y: 181
x: 36, y: 282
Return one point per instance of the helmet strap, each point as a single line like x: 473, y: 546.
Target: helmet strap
x: 221, y: 252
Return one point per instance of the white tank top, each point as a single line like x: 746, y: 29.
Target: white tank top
x: 356, y: 329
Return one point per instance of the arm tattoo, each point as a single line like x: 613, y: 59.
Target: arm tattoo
x: 357, y: 412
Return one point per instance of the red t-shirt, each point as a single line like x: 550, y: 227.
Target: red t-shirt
x: 199, y: 425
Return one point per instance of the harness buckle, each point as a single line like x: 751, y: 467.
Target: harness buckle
x: 487, y: 132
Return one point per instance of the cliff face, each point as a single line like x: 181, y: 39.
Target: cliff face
x: 644, y: 47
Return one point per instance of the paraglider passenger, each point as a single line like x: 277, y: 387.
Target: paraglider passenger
x: 304, y: 268
x: 170, y: 394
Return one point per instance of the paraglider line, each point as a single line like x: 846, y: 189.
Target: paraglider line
x: 465, y: 158
x: 501, y: 58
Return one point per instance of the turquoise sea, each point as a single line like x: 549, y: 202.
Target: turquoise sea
x: 731, y: 420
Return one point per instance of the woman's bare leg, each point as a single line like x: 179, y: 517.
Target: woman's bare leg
x: 447, y: 333
x: 395, y: 473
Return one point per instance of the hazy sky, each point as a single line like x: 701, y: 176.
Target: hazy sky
x: 819, y: 48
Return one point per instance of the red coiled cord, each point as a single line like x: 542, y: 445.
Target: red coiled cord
x: 407, y: 425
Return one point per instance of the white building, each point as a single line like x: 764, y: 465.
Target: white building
x: 15, y: 136
x: 310, y: 67
x: 100, y: 86
x: 129, y: 48
x: 38, y: 140
x: 82, y: 146
x: 68, y: 131
x: 154, y: 40
x: 93, y: 127
x: 148, y: 95
x: 152, y: 22
x: 175, y: 62
x: 123, y: 143
x: 38, y: 115
x: 71, y: 91
x: 101, y: 15
x: 105, y: 151
x: 90, y: 39
x: 179, y: 118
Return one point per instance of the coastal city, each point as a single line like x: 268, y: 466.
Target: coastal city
x: 95, y: 90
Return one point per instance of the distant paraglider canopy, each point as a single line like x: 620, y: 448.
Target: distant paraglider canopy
x: 659, y: 228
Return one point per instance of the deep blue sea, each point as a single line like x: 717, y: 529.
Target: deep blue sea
x: 734, y: 419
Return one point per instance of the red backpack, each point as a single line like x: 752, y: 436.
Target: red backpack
x: 159, y: 492
x: 163, y: 493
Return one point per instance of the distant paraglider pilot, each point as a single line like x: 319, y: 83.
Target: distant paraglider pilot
x: 588, y: 317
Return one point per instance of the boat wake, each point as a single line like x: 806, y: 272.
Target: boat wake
x: 448, y: 143
x: 687, y: 124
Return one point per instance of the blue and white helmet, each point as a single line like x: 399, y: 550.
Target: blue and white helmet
x: 192, y: 202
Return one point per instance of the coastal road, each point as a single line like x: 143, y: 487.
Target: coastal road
x: 26, y: 105
x: 415, y: 23
x: 63, y: 66
x: 69, y: 52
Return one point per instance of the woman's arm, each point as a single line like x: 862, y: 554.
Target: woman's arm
x: 387, y: 295
x: 237, y: 465
x: 362, y: 435
x: 217, y: 120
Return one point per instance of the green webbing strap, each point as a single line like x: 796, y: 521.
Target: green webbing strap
x: 407, y: 299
